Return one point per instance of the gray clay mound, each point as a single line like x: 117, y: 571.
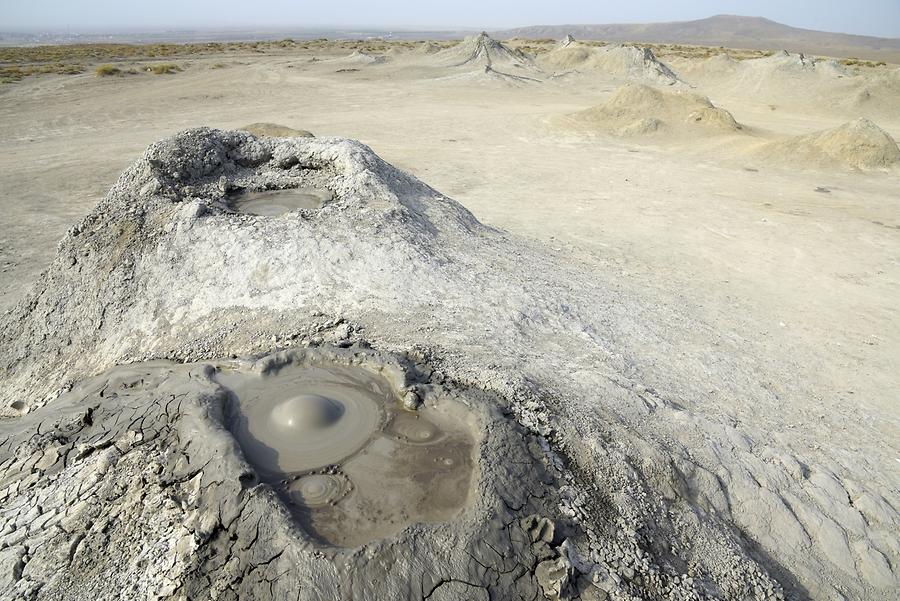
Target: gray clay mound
x: 859, y: 144
x: 621, y: 61
x: 482, y: 51
x: 482, y: 59
x: 273, y: 130
x: 637, y: 109
x: 512, y: 426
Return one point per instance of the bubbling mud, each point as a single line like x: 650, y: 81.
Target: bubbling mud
x: 409, y: 428
x: 271, y: 203
x: 337, y: 445
x: 318, y: 490
x: 311, y: 419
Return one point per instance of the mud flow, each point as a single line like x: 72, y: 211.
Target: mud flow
x: 351, y: 463
x: 271, y: 203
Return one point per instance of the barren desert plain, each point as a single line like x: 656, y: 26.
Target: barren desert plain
x: 607, y: 322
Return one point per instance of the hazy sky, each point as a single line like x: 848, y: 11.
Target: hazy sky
x: 870, y: 17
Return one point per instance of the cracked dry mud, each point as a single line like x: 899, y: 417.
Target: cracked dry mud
x: 124, y: 473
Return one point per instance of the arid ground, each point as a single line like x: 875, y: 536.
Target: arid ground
x: 758, y: 247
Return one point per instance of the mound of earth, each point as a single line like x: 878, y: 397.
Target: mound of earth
x: 875, y: 95
x: 629, y: 62
x: 859, y: 144
x: 636, y: 109
x: 363, y: 58
x: 782, y: 78
x: 427, y: 47
x: 793, y: 63
x: 274, y: 130
x: 483, y: 51
x: 562, y: 407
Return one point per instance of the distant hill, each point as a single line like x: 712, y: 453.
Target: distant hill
x: 730, y: 31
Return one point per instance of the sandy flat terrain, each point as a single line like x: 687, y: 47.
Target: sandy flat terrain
x: 798, y: 260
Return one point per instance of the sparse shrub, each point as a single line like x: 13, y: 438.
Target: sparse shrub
x: 107, y: 70
x: 67, y: 69
x: 14, y: 73
x: 164, y: 69
x: 11, y: 74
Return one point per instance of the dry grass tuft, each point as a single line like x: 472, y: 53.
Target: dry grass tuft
x: 107, y: 70
x: 14, y: 73
x: 164, y: 69
x: 858, y: 62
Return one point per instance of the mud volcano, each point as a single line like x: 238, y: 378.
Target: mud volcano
x: 547, y: 457
x: 270, y: 203
x: 351, y: 463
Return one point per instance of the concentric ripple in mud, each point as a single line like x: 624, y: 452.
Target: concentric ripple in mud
x: 318, y: 490
x: 312, y: 419
x: 413, y: 429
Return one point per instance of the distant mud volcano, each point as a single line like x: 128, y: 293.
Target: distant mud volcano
x: 363, y: 58
x: 860, y: 144
x: 792, y: 63
x: 483, y: 58
x: 762, y: 73
x: 627, y: 62
x: 352, y: 463
x: 483, y: 51
x: 637, y: 109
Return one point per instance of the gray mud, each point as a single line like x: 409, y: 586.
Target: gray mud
x: 350, y: 461
x: 270, y: 203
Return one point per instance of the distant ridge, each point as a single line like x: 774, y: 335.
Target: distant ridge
x: 730, y: 31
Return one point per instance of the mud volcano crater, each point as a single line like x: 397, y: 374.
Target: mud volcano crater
x: 271, y: 203
x: 344, y: 454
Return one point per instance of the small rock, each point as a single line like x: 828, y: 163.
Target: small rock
x: 553, y: 576
x: 11, y: 565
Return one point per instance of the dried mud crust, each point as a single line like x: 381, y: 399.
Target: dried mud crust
x: 650, y: 499
x: 130, y: 486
